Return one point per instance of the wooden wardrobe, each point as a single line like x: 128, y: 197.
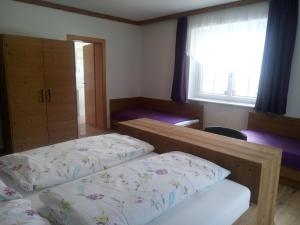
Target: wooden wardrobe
x: 38, y: 92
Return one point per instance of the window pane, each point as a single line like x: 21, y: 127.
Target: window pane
x: 213, y: 80
x: 208, y: 87
x: 220, y: 88
x: 221, y: 50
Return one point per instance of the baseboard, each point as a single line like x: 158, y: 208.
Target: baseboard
x: 290, y: 177
x: 289, y: 182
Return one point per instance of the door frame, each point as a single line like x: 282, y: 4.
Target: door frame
x: 102, y: 92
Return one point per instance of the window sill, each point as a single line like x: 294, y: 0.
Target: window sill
x: 246, y: 105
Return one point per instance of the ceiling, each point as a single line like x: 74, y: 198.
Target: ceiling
x: 139, y: 10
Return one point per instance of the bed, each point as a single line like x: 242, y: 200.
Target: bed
x: 63, y: 162
x: 221, y: 204
x: 33, y: 196
x: 253, y: 166
x: 281, y: 132
x: 116, y: 207
x: 255, y: 172
x: 187, y: 114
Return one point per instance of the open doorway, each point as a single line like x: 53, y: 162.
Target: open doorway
x: 90, y: 85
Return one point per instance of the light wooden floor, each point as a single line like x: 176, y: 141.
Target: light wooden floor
x: 288, y: 206
x: 85, y: 130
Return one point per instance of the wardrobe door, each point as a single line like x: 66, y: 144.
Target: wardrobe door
x: 23, y: 60
x: 59, y: 67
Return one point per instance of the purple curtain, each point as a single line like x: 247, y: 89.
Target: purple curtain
x: 278, y: 54
x: 179, y: 88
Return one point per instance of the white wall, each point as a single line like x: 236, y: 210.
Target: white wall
x: 123, y: 55
x: 123, y: 41
x: 158, y: 55
x: 293, y: 105
x: 157, y: 76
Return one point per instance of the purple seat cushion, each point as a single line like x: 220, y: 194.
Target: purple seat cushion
x: 131, y: 114
x: 290, y: 146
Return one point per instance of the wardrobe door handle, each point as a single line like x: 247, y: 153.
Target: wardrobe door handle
x: 42, y: 96
x: 49, y: 95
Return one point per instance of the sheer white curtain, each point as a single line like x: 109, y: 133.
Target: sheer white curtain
x: 225, y: 49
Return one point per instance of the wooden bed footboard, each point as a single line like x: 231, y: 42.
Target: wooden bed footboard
x: 254, y: 166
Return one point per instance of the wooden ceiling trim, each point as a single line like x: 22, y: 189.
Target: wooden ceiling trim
x: 142, y: 22
x: 200, y: 11
x: 78, y: 11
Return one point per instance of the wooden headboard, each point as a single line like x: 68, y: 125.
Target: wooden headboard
x: 252, y: 165
x: 186, y: 109
x: 274, y: 124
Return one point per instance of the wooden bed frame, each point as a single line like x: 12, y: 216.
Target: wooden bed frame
x: 186, y: 109
x: 280, y: 125
x: 252, y: 165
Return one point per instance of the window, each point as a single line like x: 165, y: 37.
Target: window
x: 225, y: 52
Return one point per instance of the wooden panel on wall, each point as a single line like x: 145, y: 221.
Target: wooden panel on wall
x: 255, y: 166
x: 120, y: 104
x: 275, y: 124
x: 59, y: 65
x: 188, y: 109
x: 25, y: 84
x: 193, y: 110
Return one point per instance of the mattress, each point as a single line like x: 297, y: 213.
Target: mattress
x: 290, y: 146
x: 221, y: 204
x: 131, y: 114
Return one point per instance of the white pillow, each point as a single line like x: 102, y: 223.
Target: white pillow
x: 131, y: 193
x: 60, y: 163
x: 8, y: 193
x: 20, y: 212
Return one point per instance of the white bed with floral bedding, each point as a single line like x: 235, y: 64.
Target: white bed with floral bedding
x: 14, y: 210
x: 60, y: 163
x: 133, y: 193
x: 20, y: 212
x: 219, y: 204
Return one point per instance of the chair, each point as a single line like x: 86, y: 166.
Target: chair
x: 227, y: 132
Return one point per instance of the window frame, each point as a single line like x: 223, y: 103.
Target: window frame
x: 195, y: 92
x: 229, y: 97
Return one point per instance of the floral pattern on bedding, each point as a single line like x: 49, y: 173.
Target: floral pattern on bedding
x: 20, y: 212
x: 56, y: 164
x: 131, y: 194
x: 8, y: 193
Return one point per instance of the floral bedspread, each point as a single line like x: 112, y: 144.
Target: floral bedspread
x: 20, y: 212
x: 133, y: 193
x: 7, y: 193
x: 67, y: 161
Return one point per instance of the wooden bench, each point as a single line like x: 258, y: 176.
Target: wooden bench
x: 283, y: 126
x: 157, y: 108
